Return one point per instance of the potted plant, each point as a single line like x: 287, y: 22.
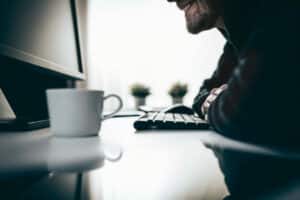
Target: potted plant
x: 139, y: 92
x: 177, y: 92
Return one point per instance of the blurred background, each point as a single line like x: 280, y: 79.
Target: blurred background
x: 146, y: 42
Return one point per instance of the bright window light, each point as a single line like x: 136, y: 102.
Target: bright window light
x: 146, y: 41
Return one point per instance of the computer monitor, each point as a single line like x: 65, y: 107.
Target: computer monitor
x: 42, y: 33
x: 42, y: 46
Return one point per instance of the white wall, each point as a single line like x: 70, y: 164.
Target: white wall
x: 146, y: 41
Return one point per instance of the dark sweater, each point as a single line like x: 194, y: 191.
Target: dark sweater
x: 261, y: 66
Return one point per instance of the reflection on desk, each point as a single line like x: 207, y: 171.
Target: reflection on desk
x: 34, y: 152
x: 156, y: 165
x: 164, y: 165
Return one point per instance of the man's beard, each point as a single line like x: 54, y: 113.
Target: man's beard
x: 198, y: 25
x: 202, y: 20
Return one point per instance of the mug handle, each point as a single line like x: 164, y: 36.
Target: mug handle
x: 110, y: 115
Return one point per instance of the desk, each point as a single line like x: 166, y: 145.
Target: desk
x: 156, y: 165
x: 23, y: 153
x: 166, y: 165
x: 36, y: 165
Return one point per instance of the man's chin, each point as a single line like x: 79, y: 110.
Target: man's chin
x: 198, y: 26
x: 194, y: 30
x: 197, y: 29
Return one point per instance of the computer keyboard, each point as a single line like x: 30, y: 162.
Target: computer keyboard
x: 163, y: 120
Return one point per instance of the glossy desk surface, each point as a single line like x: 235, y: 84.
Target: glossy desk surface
x: 26, y: 153
x: 152, y: 160
x: 165, y: 165
x: 207, y: 137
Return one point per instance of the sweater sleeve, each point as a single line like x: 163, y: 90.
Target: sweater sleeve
x: 254, y: 107
x: 226, y: 64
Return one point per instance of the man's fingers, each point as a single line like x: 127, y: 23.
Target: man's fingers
x: 211, y: 98
x: 214, y: 93
x: 224, y: 86
x: 205, y: 107
x: 213, y: 90
x: 217, y: 91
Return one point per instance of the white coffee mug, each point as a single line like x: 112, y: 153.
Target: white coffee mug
x: 77, y: 112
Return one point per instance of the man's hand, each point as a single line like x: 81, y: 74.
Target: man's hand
x: 214, y: 93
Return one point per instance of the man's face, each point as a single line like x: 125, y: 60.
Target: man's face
x: 200, y: 15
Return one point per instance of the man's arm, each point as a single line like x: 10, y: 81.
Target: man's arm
x: 256, y: 106
x: 221, y: 75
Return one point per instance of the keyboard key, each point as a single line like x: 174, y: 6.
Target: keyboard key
x: 198, y: 120
x: 187, y: 118
x: 178, y: 118
x: 169, y: 117
x: 151, y: 116
x: 159, y: 117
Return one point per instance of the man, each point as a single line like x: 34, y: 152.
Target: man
x: 253, y: 94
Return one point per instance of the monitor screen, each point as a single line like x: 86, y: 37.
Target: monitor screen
x: 43, y: 33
